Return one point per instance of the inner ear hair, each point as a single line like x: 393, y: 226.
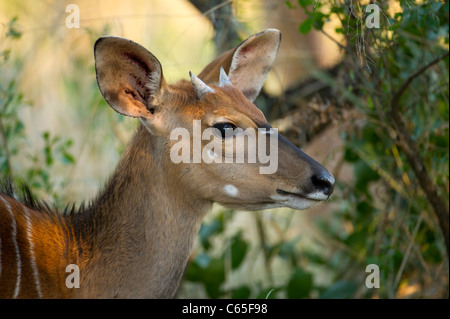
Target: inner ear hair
x: 128, y: 75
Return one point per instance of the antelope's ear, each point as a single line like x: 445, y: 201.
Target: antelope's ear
x: 129, y: 76
x: 247, y: 65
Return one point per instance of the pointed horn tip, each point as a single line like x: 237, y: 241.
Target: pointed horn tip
x: 199, y: 86
x: 223, y: 78
x: 223, y: 73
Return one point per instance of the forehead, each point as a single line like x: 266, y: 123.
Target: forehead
x: 230, y: 101
x: 226, y: 101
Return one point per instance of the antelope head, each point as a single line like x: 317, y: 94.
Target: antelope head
x: 201, y: 127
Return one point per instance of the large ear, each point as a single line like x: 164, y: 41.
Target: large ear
x: 247, y: 65
x: 129, y: 76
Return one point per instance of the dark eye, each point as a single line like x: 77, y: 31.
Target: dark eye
x: 225, y: 129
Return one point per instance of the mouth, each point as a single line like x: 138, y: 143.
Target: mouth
x: 315, y: 197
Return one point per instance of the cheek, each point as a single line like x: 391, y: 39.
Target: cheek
x: 236, y: 181
x: 230, y: 190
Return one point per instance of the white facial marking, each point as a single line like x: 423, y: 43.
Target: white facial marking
x: 317, y: 196
x: 231, y: 190
x: 293, y: 202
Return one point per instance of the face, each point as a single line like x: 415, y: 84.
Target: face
x: 246, y: 163
x: 217, y: 141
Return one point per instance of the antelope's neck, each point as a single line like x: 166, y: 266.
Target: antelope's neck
x: 140, y: 231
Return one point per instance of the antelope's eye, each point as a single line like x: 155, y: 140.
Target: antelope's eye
x: 225, y: 129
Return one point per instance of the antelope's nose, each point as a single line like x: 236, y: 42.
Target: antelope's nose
x: 324, y: 182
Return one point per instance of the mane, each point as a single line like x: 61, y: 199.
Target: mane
x: 22, y: 193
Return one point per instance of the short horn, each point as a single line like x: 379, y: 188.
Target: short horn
x: 199, y: 86
x: 223, y: 79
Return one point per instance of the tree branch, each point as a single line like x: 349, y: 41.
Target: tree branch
x: 411, y: 151
x: 396, y: 99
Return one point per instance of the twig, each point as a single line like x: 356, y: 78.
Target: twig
x: 408, y: 251
x: 398, y: 95
x: 216, y: 7
x: 263, y: 241
x: 340, y: 45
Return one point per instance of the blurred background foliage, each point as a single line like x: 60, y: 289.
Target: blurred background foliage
x: 369, y: 103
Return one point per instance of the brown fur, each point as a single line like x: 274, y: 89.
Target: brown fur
x: 135, y: 238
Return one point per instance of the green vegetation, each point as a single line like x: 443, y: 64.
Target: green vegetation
x: 393, y: 81
x: 392, y: 95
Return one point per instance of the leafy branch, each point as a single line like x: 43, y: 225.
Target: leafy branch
x: 409, y: 147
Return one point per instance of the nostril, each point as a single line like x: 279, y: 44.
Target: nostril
x: 324, y: 183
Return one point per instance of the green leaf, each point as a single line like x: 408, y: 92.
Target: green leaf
x: 435, y: 6
x: 340, y: 290
x: 48, y: 155
x: 55, y: 139
x: 210, y: 229
x: 12, y: 29
x: 319, y: 20
x: 314, y: 257
x: 213, y: 277
x: 305, y: 3
x: 305, y: 27
x: 364, y: 175
x: 68, y: 158
x: 46, y: 136
x: 238, y: 250
x: 337, y: 9
x: 364, y: 208
x: 287, y: 250
x: 350, y: 156
x: 299, y: 285
x: 242, y: 292
x: 289, y: 4
x: 208, y: 271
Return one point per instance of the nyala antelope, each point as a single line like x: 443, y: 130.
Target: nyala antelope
x: 134, y: 239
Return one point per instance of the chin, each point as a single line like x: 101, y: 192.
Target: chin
x: 294, y: 203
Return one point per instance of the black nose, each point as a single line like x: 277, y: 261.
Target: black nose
x: 324, y: 183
